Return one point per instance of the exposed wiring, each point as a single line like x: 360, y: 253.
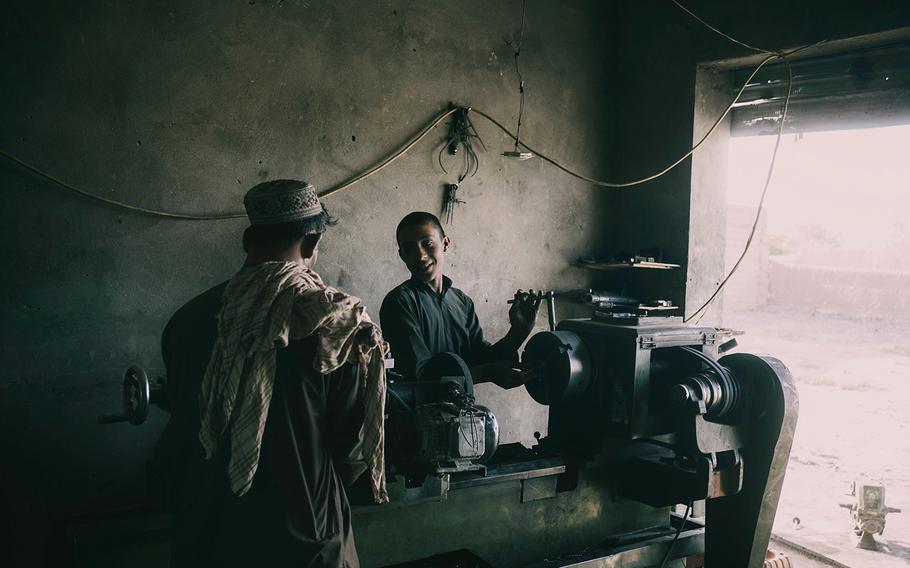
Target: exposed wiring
x: 461, y: 134
x: 400, y: 152
x: 113, y: 202
x: 679, y: 531
x: 700, y: 312
x: 182, y: 216
x: 681, y: 159
x: 521, y: 81
x: 720, y: 33
x: 516, y: 137
x: 406, y: 147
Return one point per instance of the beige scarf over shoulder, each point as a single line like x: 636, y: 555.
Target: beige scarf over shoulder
x: 263, y: 308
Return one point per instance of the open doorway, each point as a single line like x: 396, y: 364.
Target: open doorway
x: 825, y: 287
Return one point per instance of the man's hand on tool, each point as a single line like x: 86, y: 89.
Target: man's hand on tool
x: 523, y: 313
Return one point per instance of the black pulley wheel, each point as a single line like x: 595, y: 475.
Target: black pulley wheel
x: 448, y: 365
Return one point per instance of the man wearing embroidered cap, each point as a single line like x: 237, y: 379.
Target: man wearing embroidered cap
x: 277, y: 390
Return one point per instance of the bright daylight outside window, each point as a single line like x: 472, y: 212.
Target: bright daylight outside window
x: 826, y: 289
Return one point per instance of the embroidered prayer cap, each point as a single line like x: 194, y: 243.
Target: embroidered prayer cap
x: 281, y: 201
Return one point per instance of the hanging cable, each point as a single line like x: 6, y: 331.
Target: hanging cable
x: 187, y: 217
x: 404, y: 149
x: 620, y: 185
x: 516, y: 137
x: 114, y: 203
x: 521, y: 81
x: 400, y: 152
x: 681, y: 159
x: 700, y: 312
x: 679, y: 530
x: 521, y: 92
x: 718, y: 32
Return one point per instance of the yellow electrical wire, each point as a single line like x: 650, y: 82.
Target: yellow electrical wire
x: 404, y: 149
x: 166, y: 214
x: 410, y: 144
x: 681, y: 159
x: 113, y: 202
x: 616, y: 185
x: 700, y: 312
x: 718, y: 32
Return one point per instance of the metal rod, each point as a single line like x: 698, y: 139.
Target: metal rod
x: 551, y: 309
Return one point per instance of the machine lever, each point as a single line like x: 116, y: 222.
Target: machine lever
x: 550, y: 297
x: 551, y: 309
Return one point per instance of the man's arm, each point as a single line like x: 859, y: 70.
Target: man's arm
x: 498, y: 363
x: 346, y: 413
x: 401, y: 328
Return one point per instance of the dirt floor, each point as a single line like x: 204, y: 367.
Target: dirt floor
x: 853, y: 377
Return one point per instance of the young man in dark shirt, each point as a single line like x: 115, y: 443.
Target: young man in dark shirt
x: 426, y: 315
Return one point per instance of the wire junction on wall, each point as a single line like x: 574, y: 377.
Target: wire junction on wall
x: 405, y: 148
x: 461, y: 134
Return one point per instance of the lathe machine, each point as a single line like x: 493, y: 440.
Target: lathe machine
x: 645, y: 413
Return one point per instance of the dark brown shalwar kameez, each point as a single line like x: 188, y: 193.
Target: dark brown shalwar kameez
x: 296, y: 513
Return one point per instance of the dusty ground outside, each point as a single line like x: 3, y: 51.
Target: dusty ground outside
x: 853, y: 377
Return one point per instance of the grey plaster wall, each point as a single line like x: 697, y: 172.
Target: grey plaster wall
x: 182, y: 106
x: 657, y: 50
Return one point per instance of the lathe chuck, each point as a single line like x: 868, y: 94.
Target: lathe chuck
x: 559, y: 365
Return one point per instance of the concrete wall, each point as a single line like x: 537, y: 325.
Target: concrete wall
x: 182, y: 107
x: 658, y: 50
